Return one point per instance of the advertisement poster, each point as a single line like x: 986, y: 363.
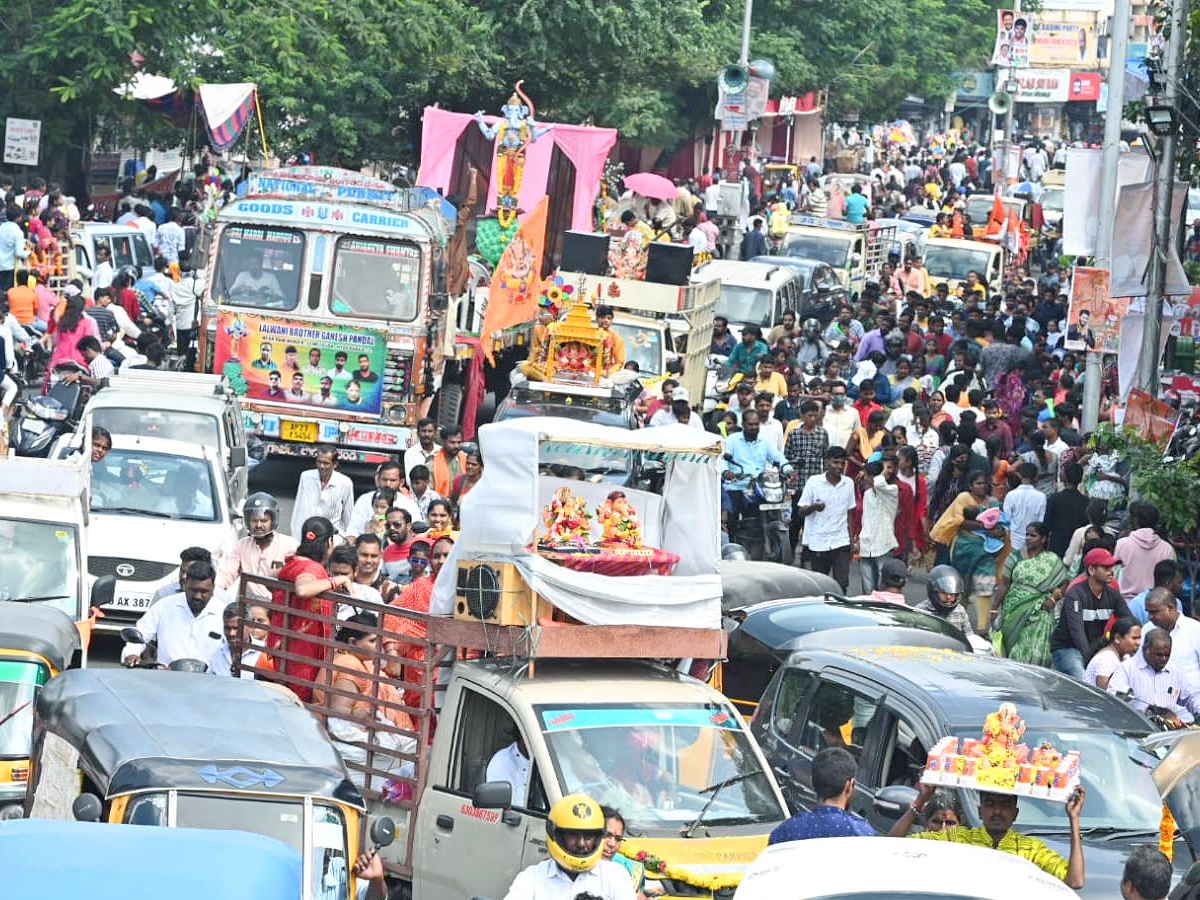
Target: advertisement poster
x: 1048, y: 38
x: 1012, y: 39
x: 1094, y: 317
x: 1153, y: 419
x: 21, y: 140
x: 317, y: 364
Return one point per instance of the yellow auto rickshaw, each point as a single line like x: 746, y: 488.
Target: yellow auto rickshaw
x: 189, y: 750
x: 36, y: 643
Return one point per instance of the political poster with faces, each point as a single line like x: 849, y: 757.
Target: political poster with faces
x: 1094, y: 316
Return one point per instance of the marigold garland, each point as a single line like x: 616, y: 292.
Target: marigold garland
x: 1166, y: 834
x: 656, y: 865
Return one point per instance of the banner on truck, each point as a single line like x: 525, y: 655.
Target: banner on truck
x: 316, y: 364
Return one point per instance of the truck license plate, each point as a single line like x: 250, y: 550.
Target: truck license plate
x: 302, y: 432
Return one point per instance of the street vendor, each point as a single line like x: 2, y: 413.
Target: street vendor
x: 998, y: 812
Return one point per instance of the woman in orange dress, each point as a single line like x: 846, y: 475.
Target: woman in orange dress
x: 306, y: 571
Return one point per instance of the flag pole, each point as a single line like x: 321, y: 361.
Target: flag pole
x: 262, y: 133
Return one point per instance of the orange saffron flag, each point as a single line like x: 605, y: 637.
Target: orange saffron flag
x: 997, y: 218
x: 956, y: 228
x: 512, y: 296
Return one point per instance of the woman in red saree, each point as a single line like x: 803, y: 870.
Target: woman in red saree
x: 306, y: 571
x: 416, y: 597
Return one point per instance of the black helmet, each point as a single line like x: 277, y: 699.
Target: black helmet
x: 733, y: 551
x: 944, y: 580
x: 811, y: 326
x: 130, y: 273
x: 261, y: 502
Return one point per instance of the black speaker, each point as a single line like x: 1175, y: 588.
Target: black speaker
x: 585, y: 252
x: 669, y: 263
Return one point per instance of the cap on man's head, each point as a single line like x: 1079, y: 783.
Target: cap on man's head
x: 744, y: 386
x: 680, y: 393
x: 893, y: 572
x: 1098, y: 556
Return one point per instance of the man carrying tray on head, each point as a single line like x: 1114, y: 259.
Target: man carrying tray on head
x: 998, y: 812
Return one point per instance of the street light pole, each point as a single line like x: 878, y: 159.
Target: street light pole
x: 1008, y: 115
x: 1108, y: 190
x: 744, y: 59
x: 1164, y: 184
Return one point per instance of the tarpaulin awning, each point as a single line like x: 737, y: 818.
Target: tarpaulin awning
x: 227, y: 109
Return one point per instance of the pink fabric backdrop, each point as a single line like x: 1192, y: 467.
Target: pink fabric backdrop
x: 587, y: 148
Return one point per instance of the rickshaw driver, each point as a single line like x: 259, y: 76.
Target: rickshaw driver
x: 187, y: 625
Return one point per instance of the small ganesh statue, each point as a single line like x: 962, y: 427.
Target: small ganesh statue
x: 629, y: 260
x: 567, y: 519
x: 1002, y: 730
x: 620, y: 521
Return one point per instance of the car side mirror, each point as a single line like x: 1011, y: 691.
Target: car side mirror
x: 132, y: 636
x: 87, y: 808
x: 891, y: 801
x: 383, y: 831
x: 103, y: 590
x: 493, y: 795
x: 237, y: 457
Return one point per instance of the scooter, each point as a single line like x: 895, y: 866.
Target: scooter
x: 42, y: 420
x: 761, y: 528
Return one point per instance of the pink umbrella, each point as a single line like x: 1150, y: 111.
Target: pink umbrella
x: 650, y: 185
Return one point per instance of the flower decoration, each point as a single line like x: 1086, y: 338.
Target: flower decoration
x: 556, y: 293
x: 657, y: 866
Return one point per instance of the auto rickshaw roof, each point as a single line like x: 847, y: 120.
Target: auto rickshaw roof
x: 44, y: 630
x: 137, y: 729
x: 97, y: 860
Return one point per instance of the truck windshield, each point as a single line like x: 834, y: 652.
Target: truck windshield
x: 642, y: 345
x: 811, y: 246
x: 19, y: 681
x: 279, y: 819
x: 41, y: 560
x: 133, y: 482
x: 194, y: 428
x: 745, y: 305
x: 653, y: 762
x: 259, y: 267
x: 376, y: 279
x: 953, y: 263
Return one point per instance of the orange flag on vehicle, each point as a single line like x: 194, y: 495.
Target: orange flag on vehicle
x: 512, y: 297
x: 996, y: 219
x: 87, y: 626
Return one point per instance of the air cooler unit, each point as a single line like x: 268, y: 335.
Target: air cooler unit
x: 496, y: 593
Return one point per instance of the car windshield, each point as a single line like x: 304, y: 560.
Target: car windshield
x: 1120, y: 792
x: 376, y: 279
x: 943, y: 262
x: 282, y: 820
x: 41, y: 561
x: 1053, y: 199
x: 563, y: 460
x: 193, y: 428
x: 259, y: 267
x: 643, y: 345
x: 745, y: 305
x: 522, y: 402
x: 654, y: 762
x: 810, y: 246
x: 19, y: 681
x: 137, y: 483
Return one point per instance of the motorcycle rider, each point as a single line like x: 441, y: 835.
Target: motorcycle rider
x: 575, y: 839
x: 186, y: 625
x: 944, y: 589
x: 810, y: 348
x: 262, y: 551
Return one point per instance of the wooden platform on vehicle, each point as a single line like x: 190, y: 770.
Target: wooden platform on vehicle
x: 561, y: 641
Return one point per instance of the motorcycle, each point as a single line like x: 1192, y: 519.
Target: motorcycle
x: 42, y: 420
x: 761, y: 528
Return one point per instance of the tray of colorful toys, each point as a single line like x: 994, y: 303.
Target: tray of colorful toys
x: 999, y: 764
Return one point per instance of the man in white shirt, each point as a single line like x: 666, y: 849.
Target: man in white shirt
x: 1163, y: 611
x: 511, y: 763
x: 827, y: 503
x: 1054, y: 443
x: 145, y: 221
x: 104, y: 299
x: 841, y: 419
x: 770, y: 429
x: 881, y: 502
x: 712, y: 197
x: 575, y: 840
x: 422, y: 452
x: 678, y: 413
x: 171, y: 238
x: 386, y: 476
x: 1024, y: 505
x: 323, y: 491
x: 103, y: 274
x: 187, y: 625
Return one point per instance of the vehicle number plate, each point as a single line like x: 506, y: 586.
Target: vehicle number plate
x: 770, y: 506
x: 302, y: 432
x: 132, y: 601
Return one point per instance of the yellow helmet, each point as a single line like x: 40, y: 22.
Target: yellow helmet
x: 575, y: 832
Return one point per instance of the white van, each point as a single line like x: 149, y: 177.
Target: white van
x: 752, y: 293
x: 126, y: 244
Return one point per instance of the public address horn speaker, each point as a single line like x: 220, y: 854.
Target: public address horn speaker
x: 733, y: 79
x: 999, y: 103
